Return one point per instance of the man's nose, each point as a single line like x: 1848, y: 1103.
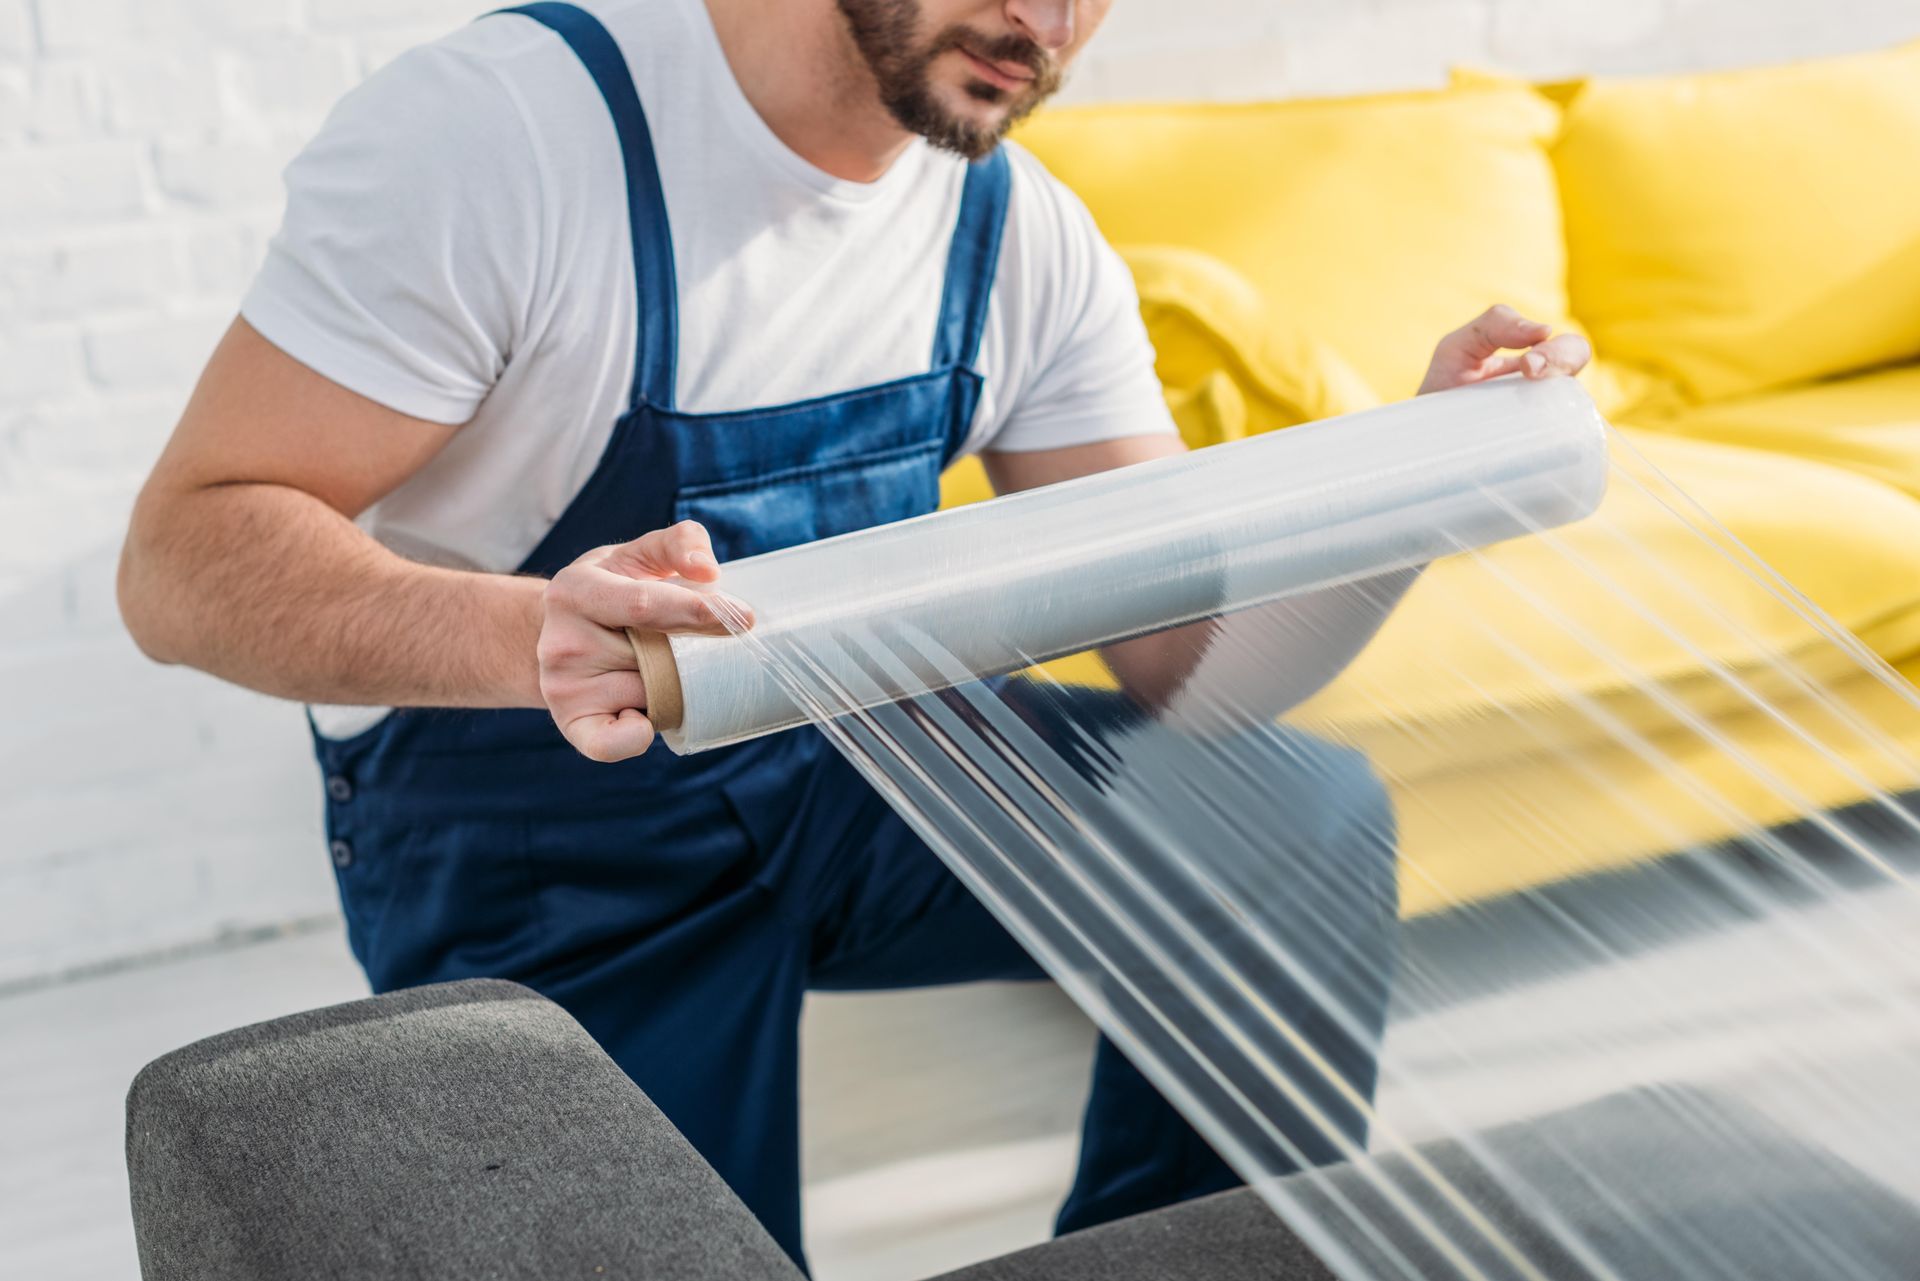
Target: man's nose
x: 1048, y: 23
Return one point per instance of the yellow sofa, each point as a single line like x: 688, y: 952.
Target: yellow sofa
x: 1743, y: 248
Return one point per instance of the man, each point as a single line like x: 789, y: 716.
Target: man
x: 578, y: 300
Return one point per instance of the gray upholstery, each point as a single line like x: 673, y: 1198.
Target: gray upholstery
x: 1655, y: 1183
x: 463, y: 1131
x: 474, y: 1130
x: 1229, y: 1237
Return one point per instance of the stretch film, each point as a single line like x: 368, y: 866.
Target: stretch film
x: 1055, y: 571
x: 1500, y: 864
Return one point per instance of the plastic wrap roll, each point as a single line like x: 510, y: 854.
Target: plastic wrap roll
x: 1033, y: 576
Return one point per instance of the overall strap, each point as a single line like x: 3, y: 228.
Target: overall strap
x: 657, y: 360
x: 973, y: 261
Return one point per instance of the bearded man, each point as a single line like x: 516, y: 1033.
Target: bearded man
x: 568, y: 308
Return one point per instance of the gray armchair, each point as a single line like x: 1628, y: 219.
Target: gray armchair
x: 474, y: 1130
x: 460, y: 1131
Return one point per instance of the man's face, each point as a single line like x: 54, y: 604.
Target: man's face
x: 960, y: 73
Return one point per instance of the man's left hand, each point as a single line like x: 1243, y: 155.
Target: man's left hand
x: 1473, y: 353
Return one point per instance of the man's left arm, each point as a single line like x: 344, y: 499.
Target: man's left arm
x: 1323, y: 631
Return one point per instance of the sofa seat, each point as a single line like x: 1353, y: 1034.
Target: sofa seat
x: 1572, y: 732
x: 1768, y: 467
x: 1868, y: 423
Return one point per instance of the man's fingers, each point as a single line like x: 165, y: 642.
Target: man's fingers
x: 1477, y: 353
x: 615, y: 601
x: 607, y: 737
x: 683, y: 550
x: 1499, y: 367
x: 588, y: 675
x: 690, y: 551
x: 589, y: 690
x: 1497, y: 327
x: 1561, y: 354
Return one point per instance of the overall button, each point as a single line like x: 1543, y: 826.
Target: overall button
x: 342, y: 853
x: 340, y: 788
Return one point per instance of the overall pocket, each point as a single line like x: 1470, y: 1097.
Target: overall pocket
x: 805, y: 504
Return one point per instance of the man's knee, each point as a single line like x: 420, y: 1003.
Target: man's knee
x: 1329, y: 816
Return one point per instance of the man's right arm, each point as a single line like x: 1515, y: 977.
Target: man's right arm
x: 243, y: 560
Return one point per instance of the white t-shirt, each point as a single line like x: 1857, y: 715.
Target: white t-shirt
x: 456, y: 247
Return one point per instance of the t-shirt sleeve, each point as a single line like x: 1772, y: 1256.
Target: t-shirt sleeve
x: 406, y: 264
x: 1095, y: 378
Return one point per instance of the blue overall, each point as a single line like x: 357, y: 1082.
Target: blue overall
x: 681, y: 907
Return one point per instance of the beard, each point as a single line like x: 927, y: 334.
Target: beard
x: 887, y: 33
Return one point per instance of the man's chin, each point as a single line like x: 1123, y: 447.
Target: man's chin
x: 954, y: 116
x: 974, y: 103
x: 981, y: 116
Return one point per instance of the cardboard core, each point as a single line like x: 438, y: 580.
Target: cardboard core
x: 666, y: 704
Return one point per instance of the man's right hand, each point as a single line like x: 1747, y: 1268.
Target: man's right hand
x: 589, y: 676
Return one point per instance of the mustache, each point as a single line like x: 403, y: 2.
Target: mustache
x: 1009, y: 48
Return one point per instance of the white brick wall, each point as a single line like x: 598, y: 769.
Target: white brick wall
x: 140, y: 142
x: 140, y: 149
x: 1286, y: 48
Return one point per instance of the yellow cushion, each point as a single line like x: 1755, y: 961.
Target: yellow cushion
x: 1748, y: 229
x: 1376, y: 224
x: 965, y: 482
x: 1229, y: 368
x: 1869, y: 423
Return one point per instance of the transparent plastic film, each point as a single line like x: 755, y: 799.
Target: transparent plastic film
x: 1059, y: 570
x: 1508, y: 881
